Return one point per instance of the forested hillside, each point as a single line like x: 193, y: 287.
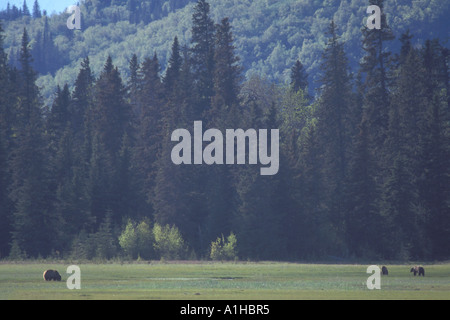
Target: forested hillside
x: 270, y: 36
x: 86, y: 118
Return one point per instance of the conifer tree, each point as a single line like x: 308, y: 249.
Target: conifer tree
x: 82, y: 100
x: 133, y: 88
x: 25, y: 10
x: 203, y: 48
x: 59, y: 117
x: 150, y: 130
x: 404, y: 141
x: 375, y: 66
x: 364, y: 224
x: 316, y: 238
x: 36, y: 10
x: 172, y: 78
x: 5, y: 207
x: 110, y: 117
x: 27, y: 76
x: 227, y: 74
x: 434, y: 164
x: 7, y: 102
x: 333, y: 123
x: 299, y: 78
x: 34, y: 225
x: 109, y: 121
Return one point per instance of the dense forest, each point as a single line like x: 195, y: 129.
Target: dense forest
x: 86, y: 172
x: 270, y: 36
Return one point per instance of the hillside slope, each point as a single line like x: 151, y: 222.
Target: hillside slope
x: 269, y: 35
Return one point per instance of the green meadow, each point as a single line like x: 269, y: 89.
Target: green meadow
x: 222, y: 281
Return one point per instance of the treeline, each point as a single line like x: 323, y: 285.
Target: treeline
x: 13, y: 12
x: 133, y: 10
x: 364, y: 166
x: 269, y: 35
x: 51, y: 53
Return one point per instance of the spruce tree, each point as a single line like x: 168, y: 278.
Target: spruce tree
x: 317, y: 237
x: 227, y: 74
x: 434, y: 165
x: 333, y: 124
x: 7, y: 102
x: 25, y: 10
x: 375, y: 66
x: 401, y: 206
x: 33, y: 222
x: 27, y: 76
x: 133, y: 88
x: 299, y: 77
x: 150, y: 130
x: 36, y: 10
x: 59, y: 116
x: 109, y: 121
x: 82, y: 101
x: 172, y: 77
x: 111, y: 114
x: 5, y: 206
x: 203, y: 48
x: 363, y: 221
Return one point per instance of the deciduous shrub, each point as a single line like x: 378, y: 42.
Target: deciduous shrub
x: 169, y: 243
x: 224, y: 250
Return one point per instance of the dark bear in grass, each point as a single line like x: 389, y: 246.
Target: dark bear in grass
x: 51, y: 275
x: 418, y: 270
x: 384, y: 271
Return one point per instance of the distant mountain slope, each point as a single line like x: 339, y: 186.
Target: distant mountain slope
x: 269, y: 35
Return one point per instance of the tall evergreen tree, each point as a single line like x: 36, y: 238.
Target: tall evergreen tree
x: 110, y: 117
x: 363, y: 221
x: 219, y: 188
x: 82, y: 100
x: 133, y: 87
x: 27, y: 76
x: 227, y: 74
x: 434, y: 167
x: 36, y: 10
x: 172, y: 78
x: 34, y: 225
x: 299, y: 77
x: 333, y: 124
x: 401, y: 206
x: 59, y: 116
x: 5, y: 206
x: 318, y: 237
x: 375, y: 66
x: 109, y: 121
x: 7, y: 101
x: 151, y: 129
x: 203, y: 47
x: 25, y: 10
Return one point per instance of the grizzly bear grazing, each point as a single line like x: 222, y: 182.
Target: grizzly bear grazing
x: 50, y: 275
x: 418, y: 270
x: 384, y: 271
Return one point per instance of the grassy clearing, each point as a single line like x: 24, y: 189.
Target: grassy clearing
x: 222, y: 281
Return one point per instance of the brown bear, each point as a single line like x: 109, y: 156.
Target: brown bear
x: 50, y: 275
x: 418, y: 270
x: 384, y: 271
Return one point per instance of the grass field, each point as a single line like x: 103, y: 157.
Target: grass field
x: 222, y: 281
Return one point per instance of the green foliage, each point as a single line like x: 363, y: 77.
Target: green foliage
x: 101, y: 245
x: 270, y: 35
x: 169, y: 243
x: 222, y: 249
x: 366, y: 158
x: 137, y: 240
